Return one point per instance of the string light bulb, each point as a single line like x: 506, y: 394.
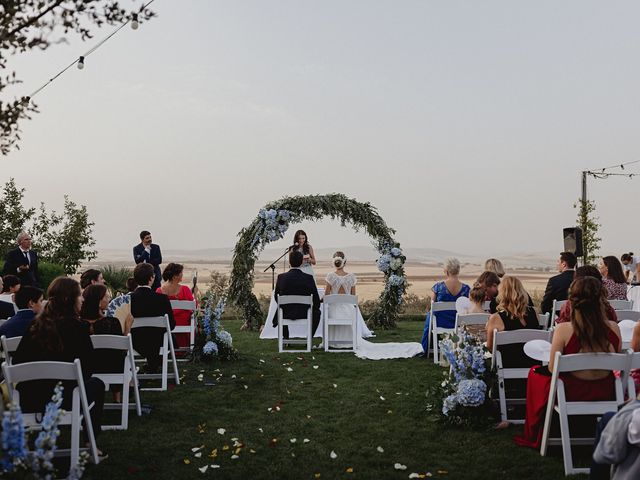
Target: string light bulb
x: 134, y: 21
x: 81, y: 63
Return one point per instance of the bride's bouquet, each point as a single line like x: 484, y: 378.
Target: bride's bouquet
x: 463, y: 395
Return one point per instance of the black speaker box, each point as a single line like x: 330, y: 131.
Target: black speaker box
x: 573, y: 240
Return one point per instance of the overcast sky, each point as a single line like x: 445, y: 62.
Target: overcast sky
x: 465, y: 123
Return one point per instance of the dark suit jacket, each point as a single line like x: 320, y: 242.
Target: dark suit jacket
x: 140, y: 255
x: 18, y: 324
x: 14, y: 259
x: 7, y: 310
x: 557, y: 289
x: 147, y: 303
x: 296, y: 282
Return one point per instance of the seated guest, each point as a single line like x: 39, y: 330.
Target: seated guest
x: 7, y: 309
x: 57, y: 334
x: 29, y: 301
x: 172, y: 276
x: 613, y: 278
x: 448, y: 290
x: 147, y: 341
x: 514, y: 313
x: 10, y: 285
x: 95, y: 301
x: 631, y: 266
x: 588, y: 331
x: 296, y: 282
x: 91, y: 277
x: 617, y: 453
x: 558, y: 286
x: 490, y: 282
x: 475, y: 302
x: 494, y: 265
x: 585, y: 271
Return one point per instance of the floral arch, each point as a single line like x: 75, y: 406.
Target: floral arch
x: 273, y: 221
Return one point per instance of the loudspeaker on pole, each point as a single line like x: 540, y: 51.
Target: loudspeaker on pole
x: 573, y: 240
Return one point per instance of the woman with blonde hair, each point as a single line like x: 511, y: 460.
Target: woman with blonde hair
x: 449, y: 290
x: 494, y: 265
x: 514, y: 311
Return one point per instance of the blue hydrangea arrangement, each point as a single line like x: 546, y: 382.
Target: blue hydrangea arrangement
x: 17, y: 461
x: 212, y: 341
x: 391, y: 263
x: 272, y: 226
x: 464, y: 392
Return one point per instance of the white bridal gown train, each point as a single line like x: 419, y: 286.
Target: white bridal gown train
x: 364, y: 349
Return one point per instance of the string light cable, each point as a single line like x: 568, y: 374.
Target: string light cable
x: 603, y: 173
x: 79, y: 62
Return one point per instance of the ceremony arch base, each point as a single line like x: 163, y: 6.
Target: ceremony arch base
x: 273, y: 221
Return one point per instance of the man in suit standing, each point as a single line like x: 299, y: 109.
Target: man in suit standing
x: 145, y: 302
x: 558, y: 286
x: 296, y: 282
x: 23, y: 261
x: 147, y: 252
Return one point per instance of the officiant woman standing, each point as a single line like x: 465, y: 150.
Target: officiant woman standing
x: 301, y: 244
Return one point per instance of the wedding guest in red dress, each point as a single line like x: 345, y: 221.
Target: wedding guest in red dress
x: 172, y: 276
x: 588, y: 331
x: 587, y: 271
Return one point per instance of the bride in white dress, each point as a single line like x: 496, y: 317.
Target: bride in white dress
x: 343, y: 283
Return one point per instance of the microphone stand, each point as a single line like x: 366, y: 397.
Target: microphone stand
x: 273, y: 268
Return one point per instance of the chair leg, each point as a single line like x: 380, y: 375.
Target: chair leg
x: 172, y: 351
x: 124, y: 423
x: 435, y: 345
x: 75, y: 430
x: 503, y: 399
x: 165, y: 362
x: 309, y: 335
x: 565, y: 437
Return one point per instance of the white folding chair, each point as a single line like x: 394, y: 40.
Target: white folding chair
x: 282, y: 322
x: 543, y: 320
x: 9, y: 346
x: 555, y: 310
x: 191, y: 328
x: 125, y: 378
x: 471, y: 319
x: 557, y: 400
x: 504, y: 372
x: 634, y: 364
x: 350, y: 320
x: 627, y: 315
x: 24, y: 372
x: 621, y: 304
x: 166, y: 351
x: 434, y: 329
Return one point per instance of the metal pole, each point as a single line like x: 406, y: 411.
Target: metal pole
x: 583, y: 208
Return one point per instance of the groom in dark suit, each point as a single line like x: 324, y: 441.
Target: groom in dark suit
x: 145, y: 302
x: 23, y: 262
x: 296, y: 282
x: 147, y: 252
x: 558, y: 286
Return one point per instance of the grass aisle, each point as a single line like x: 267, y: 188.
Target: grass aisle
x: 346, y: 405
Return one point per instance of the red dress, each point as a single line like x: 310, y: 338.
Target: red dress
x: 576, y: 389
x: 182, y: 317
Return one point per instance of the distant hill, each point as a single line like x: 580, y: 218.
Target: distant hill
x: 357, y: 253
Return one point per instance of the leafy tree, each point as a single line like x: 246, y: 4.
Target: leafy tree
x: 13, y: 216
x: 37, y: 24
x: 64, y: 239
x: 588, y: 222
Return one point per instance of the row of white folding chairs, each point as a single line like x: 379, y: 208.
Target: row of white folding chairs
x: 618, y: 306
x: 329, y: 320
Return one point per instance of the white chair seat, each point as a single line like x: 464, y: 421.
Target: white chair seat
x: 166, y: 352
x: 284, y: 322
x: 344, y: 303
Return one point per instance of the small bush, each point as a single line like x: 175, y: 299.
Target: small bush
x: 116, y: 278
x: 49, y: 271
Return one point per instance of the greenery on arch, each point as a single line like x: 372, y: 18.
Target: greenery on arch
x: 273, y: 221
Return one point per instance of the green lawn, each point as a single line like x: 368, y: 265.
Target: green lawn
x: 346, y: 405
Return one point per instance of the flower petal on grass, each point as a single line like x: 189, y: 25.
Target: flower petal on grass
x: 293, y: 440
x: 349, y: 470
x: 382, y: 398
x: 315, y: 367
x: 380, y: 449
x: 234, y: 457
x: 213, y: 465
x: 335, y: 386
x: 306, y: 440
x: 221, y: 431
x: 333, y: 455
x: 399, y: 466
x: 204, y: 469
x: 186, y: 461
x: 200, y: 377
x: 197, y: 455
x: 289, y: 369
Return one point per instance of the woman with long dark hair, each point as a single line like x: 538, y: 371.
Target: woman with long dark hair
x: 301, y: 244
x: 58, y: 334
x: 613, y: 278
x: 588, y: 331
